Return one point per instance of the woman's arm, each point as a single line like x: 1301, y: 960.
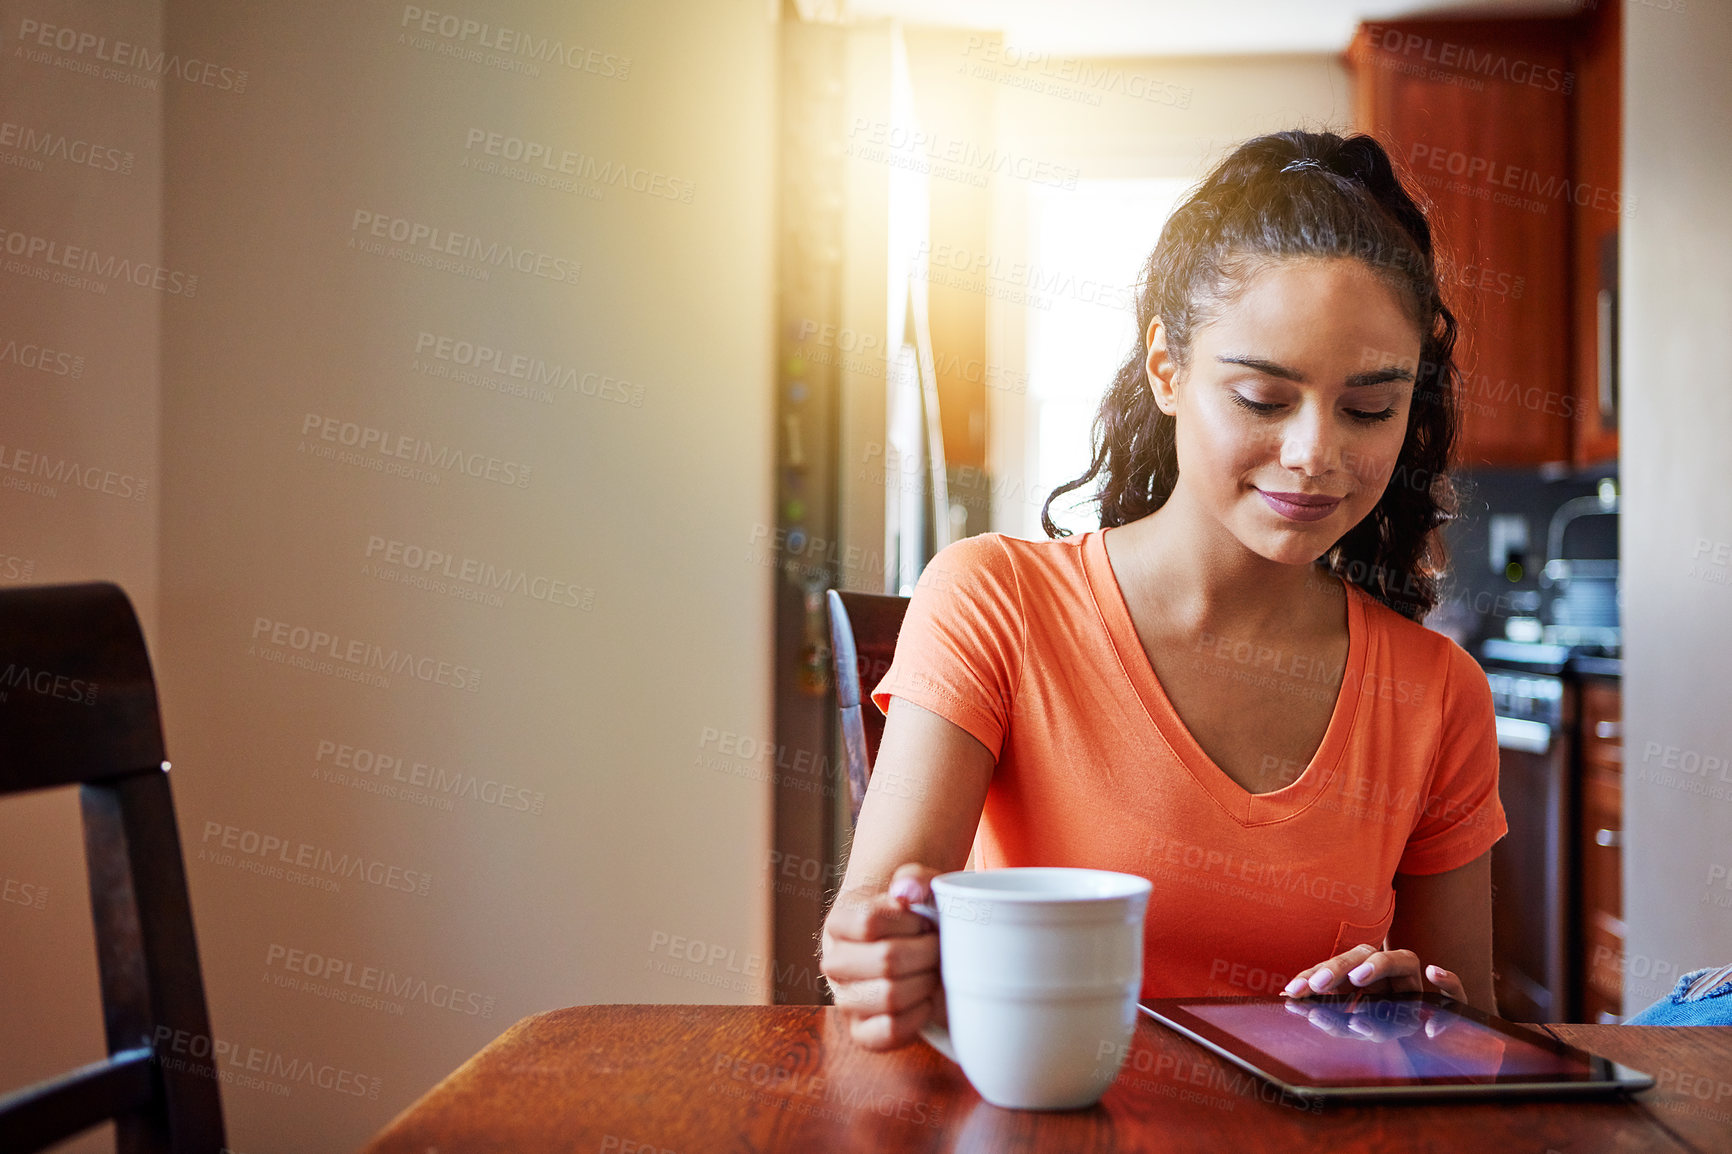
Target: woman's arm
x: 918, y: 819
x: 1441, y: 930
x: 923, y: 800
x: 1446, y: 920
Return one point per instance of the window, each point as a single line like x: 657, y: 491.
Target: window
x: 1086, y: 251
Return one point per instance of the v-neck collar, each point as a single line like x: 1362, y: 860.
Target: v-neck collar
x: 1245, y: 807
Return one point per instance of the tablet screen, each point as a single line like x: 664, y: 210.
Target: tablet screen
x: 1379, y: 1042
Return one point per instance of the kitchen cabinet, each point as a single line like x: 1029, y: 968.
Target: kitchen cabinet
x: 1600, y: 848
x: 1499, y: 126
x: 1596, y: 139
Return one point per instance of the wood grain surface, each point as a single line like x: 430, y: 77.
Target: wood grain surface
x: 1692, y: 1070
x: 688, y: 1079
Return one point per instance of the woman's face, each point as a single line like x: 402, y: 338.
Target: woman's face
x: 1293, y: 408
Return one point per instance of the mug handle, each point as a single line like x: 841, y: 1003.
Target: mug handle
x: 938, y: 1037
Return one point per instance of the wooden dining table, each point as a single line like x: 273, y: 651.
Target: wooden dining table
x: 680, y: 1079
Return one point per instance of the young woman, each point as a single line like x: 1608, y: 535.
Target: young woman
x: 1226, y: 689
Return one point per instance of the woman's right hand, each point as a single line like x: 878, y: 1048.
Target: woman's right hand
x: 881, y: 960
x: 921, y: 810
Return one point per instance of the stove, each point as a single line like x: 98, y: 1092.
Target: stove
x: 1600, y: 657
x: 1536, y: 695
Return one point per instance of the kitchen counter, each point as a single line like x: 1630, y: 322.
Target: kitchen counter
x: 1557, y: 660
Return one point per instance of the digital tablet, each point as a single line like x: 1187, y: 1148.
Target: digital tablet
x: 1389, y: 1046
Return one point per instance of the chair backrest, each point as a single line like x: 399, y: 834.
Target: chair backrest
x: 78, y: 707
x: 863, y: 629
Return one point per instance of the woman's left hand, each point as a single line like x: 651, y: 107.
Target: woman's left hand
x: 1373, y: 971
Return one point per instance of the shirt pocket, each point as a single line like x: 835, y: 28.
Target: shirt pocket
x: 1357, y: 933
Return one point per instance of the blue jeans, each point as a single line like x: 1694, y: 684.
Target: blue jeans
x: 1713, y: 1008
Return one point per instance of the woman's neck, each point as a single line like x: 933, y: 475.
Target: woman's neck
x: 1202, y: 577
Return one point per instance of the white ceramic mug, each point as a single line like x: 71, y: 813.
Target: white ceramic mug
x: 1041, y: 969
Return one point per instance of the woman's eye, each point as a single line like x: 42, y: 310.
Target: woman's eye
x: 1265, y: 408
x: 1380, y: 415
x: 1245, y: 402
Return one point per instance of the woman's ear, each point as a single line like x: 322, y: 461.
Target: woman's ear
x: 1161, y: 369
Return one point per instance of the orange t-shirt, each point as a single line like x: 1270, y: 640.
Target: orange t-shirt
x: 1030, y: 648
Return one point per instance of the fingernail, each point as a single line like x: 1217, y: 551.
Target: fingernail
x: 1361, y: 972
x: 905, y: 889
x: 1322, y: 980
x: 1294, y: 987
x: 1436, y: 972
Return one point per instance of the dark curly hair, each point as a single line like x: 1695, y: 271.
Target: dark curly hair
x: 1282, y: 196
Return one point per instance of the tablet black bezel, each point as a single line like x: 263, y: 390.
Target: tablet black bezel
x: 1597, y: 1075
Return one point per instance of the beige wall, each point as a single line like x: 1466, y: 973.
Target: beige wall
x: 1166, y: 116
x: 1676, y: 293
x: 80, y: 475
x: 507, y: 795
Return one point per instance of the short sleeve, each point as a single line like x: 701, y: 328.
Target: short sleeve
x: 959, y: 653
x: 1462, y: 816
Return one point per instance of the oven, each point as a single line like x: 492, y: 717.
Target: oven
x: 1531, y: 866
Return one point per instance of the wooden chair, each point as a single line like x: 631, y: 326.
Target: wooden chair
x: 863, y: 629
x: 78, y: 706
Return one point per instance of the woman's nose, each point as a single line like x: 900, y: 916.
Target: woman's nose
x: 1308, y: 443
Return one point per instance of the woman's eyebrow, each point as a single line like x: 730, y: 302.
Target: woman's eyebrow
x: 1380, y: 376
x: 1267, y: 368
x: 1357, y: 380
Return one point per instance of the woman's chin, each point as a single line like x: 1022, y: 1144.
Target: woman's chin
x: 1293, y: 549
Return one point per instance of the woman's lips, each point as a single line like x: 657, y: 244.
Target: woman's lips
x: 1300, y: 506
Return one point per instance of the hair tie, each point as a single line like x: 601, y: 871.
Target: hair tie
x: 1301, y: 164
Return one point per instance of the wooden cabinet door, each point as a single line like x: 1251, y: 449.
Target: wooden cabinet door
x: 1601, y: 908
x: 1477, y: 116
x: 1597, y: 132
